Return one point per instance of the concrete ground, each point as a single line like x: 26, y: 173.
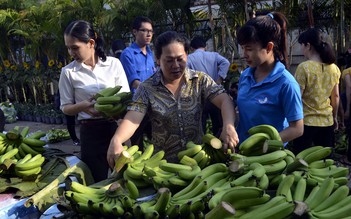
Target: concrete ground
x: 65, y: 146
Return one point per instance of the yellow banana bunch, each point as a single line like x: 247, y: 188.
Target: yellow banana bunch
x: 29, y: 166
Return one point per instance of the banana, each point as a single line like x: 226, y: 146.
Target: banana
x: 148, y: 151
x: 199, y: 188
x: 302, y: 154
x: 132, y: 189
x: 192, y: 151
x: 213, y: 168
x: 300, y: 190
x: 90, y: 191
x: 186, y: 160
x: 264, y: 207
x: 338, y: 195
x: 324, y: 192
x: 199, y: 156
x: 242, y: 179
x: 205, y: 161
x: 236, y: 194
x: 253, y: 142
x: 285, y: 186
x: 272, y: 145
x: 133, y: 172
x: 155, y: 159
x: 24, y: 159
x: 282, y: 210
x: 34, y: 142
x: 132, y: 149
x: 29, y: 172
x: 8, y: 155
x: 321, y: 163
x: 249, y: 202
x: 189, y: 175
x: 276, y: 179
x: 263, y: 182
x: 318, y: 155
x: 312, y: 194
x: 24, y: 131
x: 33, y: 162
x: 258, y: 169
x: 194, y: 183
x: 275, y: 168
x: 177, y: 181
x: 341, y: 212
x: 329, y: 172
x: 27, y: 149
x: 265, y: 128
x: 174, y: 167
x: 335, y: 206
x: 164, y: 197
x: 268, y: 158
x: 37, y: 135
x: 297, y: 164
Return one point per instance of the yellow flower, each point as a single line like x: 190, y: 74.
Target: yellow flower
x: 233, y: 67
x: 13, y: 67
x: 7, y: 63
x: 51, y: 63
x: 0, y: 68
x: 37, y: 64
x: 59, y: 65
x: 25, y: 65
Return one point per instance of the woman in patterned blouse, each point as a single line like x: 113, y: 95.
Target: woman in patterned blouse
x: 173, y: 98
x: 319, y: 83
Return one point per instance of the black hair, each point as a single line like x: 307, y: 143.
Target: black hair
x: 167, y: 38
x: 198, y: 42
x: 264, y: 29
x: 319, y: 41
x: 84, y: 31
x: 140, y: 19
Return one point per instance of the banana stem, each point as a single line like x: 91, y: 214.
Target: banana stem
x: 223, y: 210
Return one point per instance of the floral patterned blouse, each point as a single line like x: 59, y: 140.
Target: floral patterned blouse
x: 175, y: 121
x: 317, y: 81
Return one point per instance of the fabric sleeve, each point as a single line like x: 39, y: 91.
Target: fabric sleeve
x: 300, y: 76
x: 121, y: 78
x: 66, y: 89
x: 128, y: 63
x: 140, y: 101
x: 223, y: 66
x: 209, y: 86
x: 291, y: 101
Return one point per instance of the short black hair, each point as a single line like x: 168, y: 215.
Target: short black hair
x: 168, y: 37
x: 198, y: 42
x: 140, y: 19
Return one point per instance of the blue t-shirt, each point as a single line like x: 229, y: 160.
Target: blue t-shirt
x: 137, y: 65
x: 275, y: 101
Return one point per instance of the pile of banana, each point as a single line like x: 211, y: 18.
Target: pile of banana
x: 209, y: 152
x: 111, y: 200
x: 262, y: 180
x: 112, y: 103
x: 20, y: 153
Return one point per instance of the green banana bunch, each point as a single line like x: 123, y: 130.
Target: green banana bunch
x: 29, y: 166
x: 112, y: 103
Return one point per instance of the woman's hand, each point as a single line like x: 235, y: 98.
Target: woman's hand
x: 229, y: 137
x: 114, y: 150
x: 89, y: 107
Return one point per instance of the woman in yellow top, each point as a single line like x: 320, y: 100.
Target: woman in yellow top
x: 318, y: 78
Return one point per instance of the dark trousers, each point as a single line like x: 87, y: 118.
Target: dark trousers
x: 314, y: 136
x: 95, y: 139
x: 71, y: 126
x: 214, y: 113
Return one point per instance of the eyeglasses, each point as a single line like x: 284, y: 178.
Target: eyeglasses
x: 146, y: 31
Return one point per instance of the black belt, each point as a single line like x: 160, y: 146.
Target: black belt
x: 95, y: 121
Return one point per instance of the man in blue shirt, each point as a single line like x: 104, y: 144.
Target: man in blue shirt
x: 214, y: 65
x: 138, y: 63
x: 138, y: 59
